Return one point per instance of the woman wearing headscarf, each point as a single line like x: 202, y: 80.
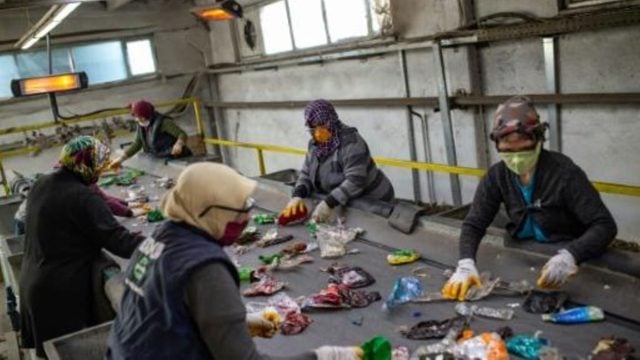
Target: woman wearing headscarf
x: 67, y: 225
x: 338, y: 164
x: 157, y: 134
x: 182, y: 298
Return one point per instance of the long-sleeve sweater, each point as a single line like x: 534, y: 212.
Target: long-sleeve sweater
x: 565, y: 205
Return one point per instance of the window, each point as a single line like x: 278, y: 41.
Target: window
x: 140, y: 57
x: 104, y: 62
x: 299, y: 24
x: 275, y: 28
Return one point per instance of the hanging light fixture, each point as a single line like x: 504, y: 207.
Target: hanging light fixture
x: 48, y: 22
x: 49, y: 84
x: 221, y: 10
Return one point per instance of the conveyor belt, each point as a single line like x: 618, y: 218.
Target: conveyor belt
x: 335, y: 327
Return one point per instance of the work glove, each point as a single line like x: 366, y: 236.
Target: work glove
x: 263, y: 323
x: 557, y: 270
x: 322, y: 212
x: 116, y: 164
x: 339, y: 353
x: 460, y: 282
x: 296, y: 205
x: 176, y: 150
x: 139, y: 211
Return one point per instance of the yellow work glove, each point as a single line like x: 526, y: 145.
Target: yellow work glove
x: 264, y: 323
x: 339, y: 353
x: 462, y: 280
x: 557, y: 270
x: 296, y: 205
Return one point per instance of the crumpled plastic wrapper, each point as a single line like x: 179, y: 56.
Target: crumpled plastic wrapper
x: 526, y: 346
x: 433, y: 329
x: 338, y: 296
x: 266, y: 286
x: 487, y: 346
x: 542, y: 302
x: 405, y: 289
x: 442, y: 350
x: 332, y: 239
x: 353, y: 276
x: 613, y: 348
x: 468, y: 310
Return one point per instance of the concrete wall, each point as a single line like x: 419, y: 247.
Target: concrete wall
x: 182, y: 48
x: 602, y: 140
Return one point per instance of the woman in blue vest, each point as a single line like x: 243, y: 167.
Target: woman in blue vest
x: 181, y: 298
x: 157, y: 134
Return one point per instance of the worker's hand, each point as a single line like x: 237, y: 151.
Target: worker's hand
x: 557, y: 270
x: 263, y: 323
x: 339, y: 353
x: 460, y: 282
x: 176, y: 150
x: 296, y: 205
x: 116, y: 164
x: 322, y: 212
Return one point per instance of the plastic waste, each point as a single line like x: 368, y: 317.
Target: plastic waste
x: 549, y: 353
x: 466, y: 309
x: 332, y: 239
x: 400, y: 353
x: 613, y: 348
x: 579, y: 315
x: 433, y: 329
x: 526, y: 346
x: 404, y: 290
x: 541, y: 302
x: 442, y: 350
x: 245, y: 273
x: 377, y: 348
x: 487, y: 346
x: 155, y: 216
x: 262, y: 219
x: 403, y: 256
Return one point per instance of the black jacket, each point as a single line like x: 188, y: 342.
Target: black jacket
x: 67, y: 224
x: 565, y: 205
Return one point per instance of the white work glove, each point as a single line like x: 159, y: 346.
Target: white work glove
x: 263, y: 323
x: 557, y: 270
x: 339, y: 353
x: 177, y: 148
x: 460, y: 282
x: 322, y: 212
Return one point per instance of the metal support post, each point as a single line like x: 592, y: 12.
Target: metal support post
x: 445, y: 114
x: 550, y: 72
x: 415, y: 176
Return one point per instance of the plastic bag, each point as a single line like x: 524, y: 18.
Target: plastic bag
x: 433, y: 329
x: 377, y: 348
x: 541, y: 302
x: 405, y: 289
x: 332, y: 239
x: 487, y: 346
x: 404, y: 256
x: 466, y: 309
x: 526, y: 346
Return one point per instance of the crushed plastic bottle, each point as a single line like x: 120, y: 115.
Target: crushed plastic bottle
x: 577, y: 315
x: 466, y: 309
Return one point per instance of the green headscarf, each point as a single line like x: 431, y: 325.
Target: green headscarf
x: 86, y: 157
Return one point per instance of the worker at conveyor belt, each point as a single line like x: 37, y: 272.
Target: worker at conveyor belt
x: 157, y: 134
x: 547, y: 196
x: 67, y: 225
x: 182, y: 298
x: 338, y: 164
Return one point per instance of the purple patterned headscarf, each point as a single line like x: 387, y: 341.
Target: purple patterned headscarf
x: 322, y: 113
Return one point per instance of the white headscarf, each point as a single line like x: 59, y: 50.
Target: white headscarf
x: 202, y: 185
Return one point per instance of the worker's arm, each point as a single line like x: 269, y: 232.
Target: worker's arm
x: 99, y: 225
x: 304, y: 185
x: 214, y: 302
x: 584, y: 201
x: 356, y: 161
x: 134, y: 148
x: 170, y: 127
x: 484, y: 208
x: 117, y: 206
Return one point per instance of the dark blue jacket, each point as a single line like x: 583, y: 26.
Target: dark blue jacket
x: 154, y: 321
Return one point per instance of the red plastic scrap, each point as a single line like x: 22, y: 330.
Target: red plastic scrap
x: 266, y: 286
x: 294, y: 323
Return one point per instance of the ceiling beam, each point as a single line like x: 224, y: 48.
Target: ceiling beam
x: 115, y: 4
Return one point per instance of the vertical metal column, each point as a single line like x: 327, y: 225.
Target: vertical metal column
x: 52, y: 96
x: 443, y: 101
x: 550, y: 72
x: 417, y: 196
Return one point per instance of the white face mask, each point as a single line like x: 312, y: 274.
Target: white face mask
x: 144, y: 123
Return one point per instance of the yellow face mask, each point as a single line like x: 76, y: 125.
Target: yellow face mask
x: 321, y: 135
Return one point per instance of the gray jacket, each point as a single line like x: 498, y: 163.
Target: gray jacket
x: 347, y: 173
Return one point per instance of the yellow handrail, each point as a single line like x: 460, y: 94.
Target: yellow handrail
x: 101, y: 115
x: 604, y: 187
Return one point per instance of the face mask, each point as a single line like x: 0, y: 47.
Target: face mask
x: 232, y: 232
x: 321, y: 135
x: 522, y: 161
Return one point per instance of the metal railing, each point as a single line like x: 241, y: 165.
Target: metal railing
x: 195, y: 102
x: 605, y: 187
